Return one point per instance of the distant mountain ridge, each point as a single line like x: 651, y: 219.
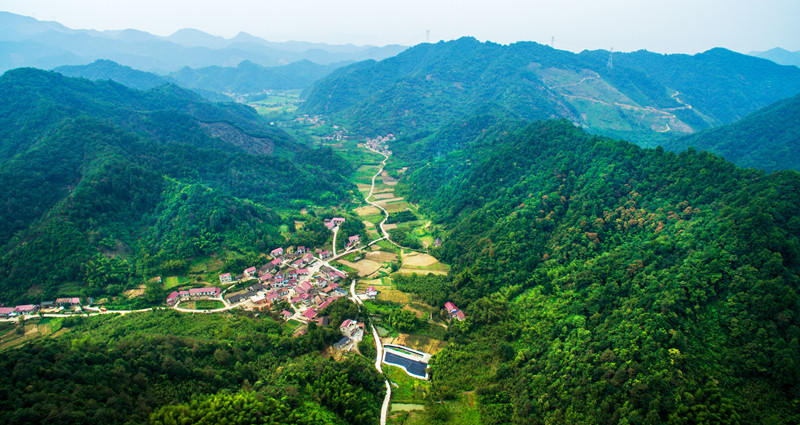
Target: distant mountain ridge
x: 27, y: 42
x: 643, y: 96
x: 779, y: 55
x: 103, y: 69
x: 211, y: 82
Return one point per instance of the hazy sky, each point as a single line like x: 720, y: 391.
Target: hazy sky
x: 666, y: 26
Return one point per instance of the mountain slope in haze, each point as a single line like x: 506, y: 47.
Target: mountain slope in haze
x: 214, y: 83
x: 605, y: 283
x: 102, y: 69
x: 108, y: 185
x: 27, y: 42
x: 644, y: 96
x: 768, y: 138
x: 781, y: 56
x: 248, y: 77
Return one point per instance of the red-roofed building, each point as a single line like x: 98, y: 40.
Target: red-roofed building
x: 26, y: 308
x: 353, y: 240
x: 301, y: 250
x: 308, y: 258
x: 337, y: 220
x: 286, y: 314
x: 75, y: 301
x: 225, y: 278
x: 302, y: 272
x: 276, y: 262
x: 272, y: 296
x: 310, y: 313
x: 372, y: 292
x: 325, y: 254
x: 450, y: 307
x: 250, y: 271
x: 330, y: 224
x: 325, y: 304
x: 460, y: 315
x: 204, y: 292
x: 276, y: 252
x: 345, y: 324
x: 265, y: 277
x: 6, y: 311
x: 172, y: 298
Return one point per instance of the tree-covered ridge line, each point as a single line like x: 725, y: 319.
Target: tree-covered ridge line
x: 95, y: 198
x: 151, y: 367
x: 767, y: 139
x: 605, y: 283
x: 665, y: 96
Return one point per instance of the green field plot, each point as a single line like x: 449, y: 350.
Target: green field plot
x: 208, y: 304
x: 173, y: 281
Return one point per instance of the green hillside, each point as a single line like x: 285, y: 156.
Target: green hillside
x: 604, y: 283
x: 643, y: 96
x: 768, y: 139
x: 105, y: 186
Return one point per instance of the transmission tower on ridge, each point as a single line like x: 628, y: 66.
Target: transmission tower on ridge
x: 553, y: 41
x: 610, y: 56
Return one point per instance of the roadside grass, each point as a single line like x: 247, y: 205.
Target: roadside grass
x: 408, y: 390
x: 364, y: 173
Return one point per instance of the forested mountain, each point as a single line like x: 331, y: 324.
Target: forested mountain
x: 642, y: 96
x: 103, y: 69
x: 105, y: 185
x: 249, y: 77
x: 27, y: 42
x: 605, y: 283
x: 781, y: 56
x: 768, y: 139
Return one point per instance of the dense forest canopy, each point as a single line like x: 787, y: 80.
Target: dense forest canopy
x: 604, y: 283
x: 167, y: 368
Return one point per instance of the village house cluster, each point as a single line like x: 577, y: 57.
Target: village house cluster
x: 59, y: 305
x: 294, y: 276
x: 379, y: 143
